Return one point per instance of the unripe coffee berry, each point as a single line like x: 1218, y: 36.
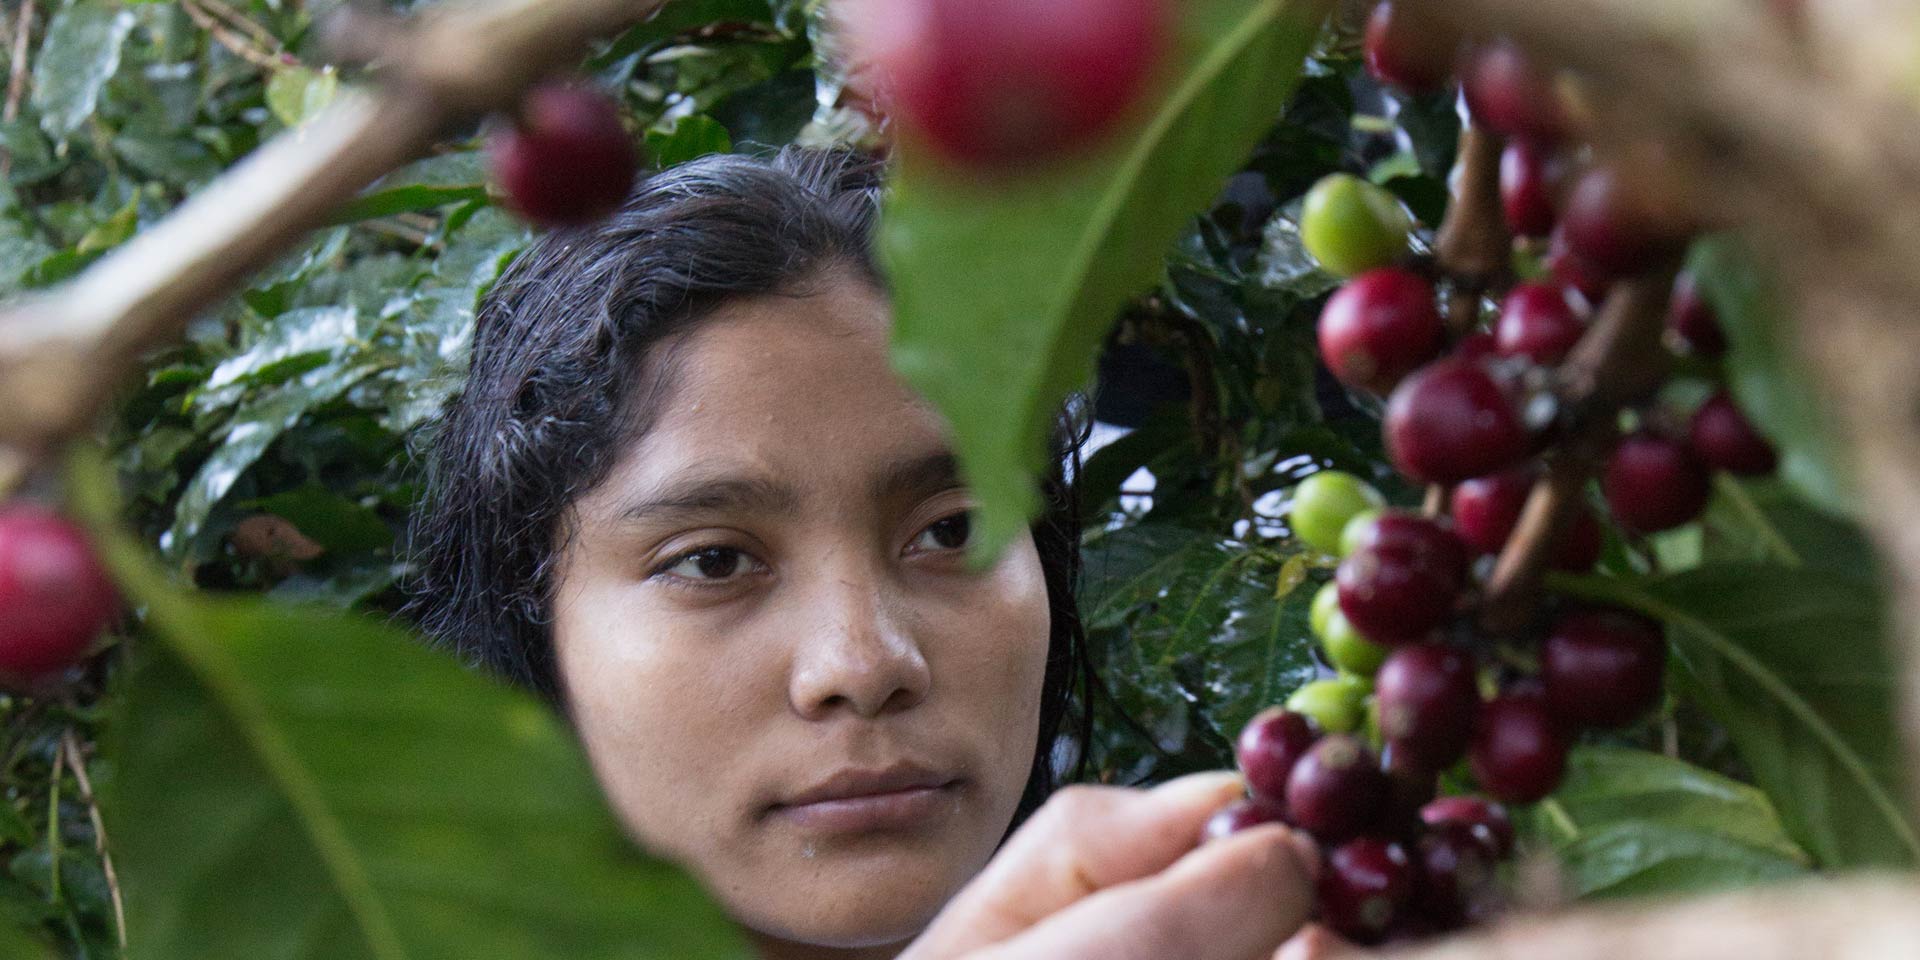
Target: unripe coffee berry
x: 1324, y: 502
x: 1351, y: 226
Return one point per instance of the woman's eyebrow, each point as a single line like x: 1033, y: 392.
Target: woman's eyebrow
x: 716, y: 493
x: 923, y: 474
x: 727, y: 492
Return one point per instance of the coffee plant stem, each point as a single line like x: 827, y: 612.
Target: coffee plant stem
x: 62, y: 356
x: 1473, y: 242
x: 71, y: 745
x: 1615, y: 362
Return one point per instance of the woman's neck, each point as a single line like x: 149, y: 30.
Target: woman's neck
x: 771, y: 948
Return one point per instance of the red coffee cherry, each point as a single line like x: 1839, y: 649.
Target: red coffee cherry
x: 1475, y: 346
x: 1487, y: 509
x: 55, y: 597
x: 1518, y: 754
x: 1508, y: 94
x: 1455, y: 869
x: 1653, y: 483
x: 1570, y: 270
x: 1602, y: 668
x: 1616, y: 231
x: 1237, y: 816
x: 1725, y: 439
x: 1536, y: 322
x: 1529, y: 187
x: 1451, y: 421
x: 1365, y: 886
x: 1009, y: 84
x: 1412, y: 53
x: 1270, y: 744
x: 1402, y: 579
x: 1337, y: 790
x: 1380, y: 327
x: 569, y: 161
x: 1427, y: 699
x: 1693, y: 323
x: 1488, y: 820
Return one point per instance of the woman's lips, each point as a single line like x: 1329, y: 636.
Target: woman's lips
x: 898, y: 809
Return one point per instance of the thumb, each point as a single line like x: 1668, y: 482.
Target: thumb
x: 1084, y: 839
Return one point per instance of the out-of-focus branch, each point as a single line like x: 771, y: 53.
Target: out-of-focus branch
x: 61, y: 355
x: 1870, y: 918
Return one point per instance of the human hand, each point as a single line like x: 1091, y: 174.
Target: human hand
x: 1119, y: 874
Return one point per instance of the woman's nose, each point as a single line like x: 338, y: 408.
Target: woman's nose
x: 858, y: 655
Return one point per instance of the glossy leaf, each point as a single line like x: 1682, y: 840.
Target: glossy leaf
x: 1793, y: 662
x: 1200, y: 642
x: 80, y: 54
x: 1766, y: 374
x: 1627, y: 822
x: 1003, y: 289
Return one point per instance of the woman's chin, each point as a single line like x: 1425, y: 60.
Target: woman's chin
x: 861, y: 901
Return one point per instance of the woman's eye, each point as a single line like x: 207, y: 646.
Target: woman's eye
x: 947, y: 533
x: 707, y: 563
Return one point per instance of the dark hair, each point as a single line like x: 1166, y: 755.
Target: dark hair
x: 564, y: 373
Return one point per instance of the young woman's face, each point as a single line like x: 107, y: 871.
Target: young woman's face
x: 782, y: 671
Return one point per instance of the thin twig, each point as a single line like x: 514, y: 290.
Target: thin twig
x: 79, y: 765
x: 238, y: 45
x: 17, y: 81
x: 245, y: 24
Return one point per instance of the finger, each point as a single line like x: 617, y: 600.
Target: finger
x: 1315, y: 942
x: 1084, y: 839
x: 1235, y: 899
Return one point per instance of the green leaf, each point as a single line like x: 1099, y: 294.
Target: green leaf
x: 296, y: 92
x: 1627, y: 822
x: 80, y: 54
x: 1793, y: 662
x: 301, y: 783
x: 408, y: 199
x: 1198, y: 625
x: 1765, y: 372
x: 691, y: 137
x: 113, y: 231
x: 1004, y: 289
x: 678, y: 17
x: 253, y: 428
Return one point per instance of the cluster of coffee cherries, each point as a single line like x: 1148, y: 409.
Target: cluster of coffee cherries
x: 1399, y: 862
x: 1420, y: 689
x: 567, y: 158
x: 55, y: 597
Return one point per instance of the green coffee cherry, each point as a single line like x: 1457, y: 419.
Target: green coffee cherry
x: 1324, y: 502
x: 1357, y: 530
x: 1336, y: 705
x: 1344, y: 646
x: 1352, y: 226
